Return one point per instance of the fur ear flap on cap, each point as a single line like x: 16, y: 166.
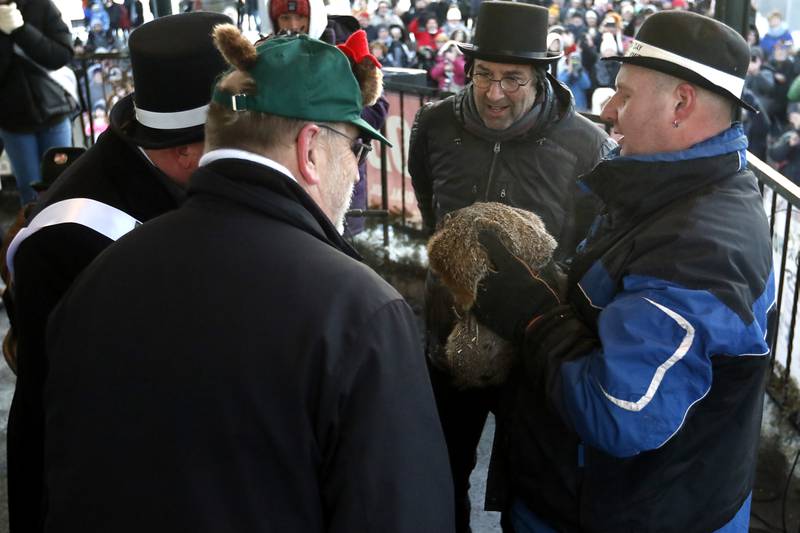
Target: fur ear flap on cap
x: 370, y: 80
x: 366, y: 67
x: 235, y: 48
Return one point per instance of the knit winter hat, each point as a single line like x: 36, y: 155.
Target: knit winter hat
x: 281, y: 7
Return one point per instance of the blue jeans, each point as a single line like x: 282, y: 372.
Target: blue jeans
x: 25, y: 150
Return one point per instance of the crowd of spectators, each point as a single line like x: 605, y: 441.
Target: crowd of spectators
x: 425, y: 34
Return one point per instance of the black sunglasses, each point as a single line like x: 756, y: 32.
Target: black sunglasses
x: 359, y: 148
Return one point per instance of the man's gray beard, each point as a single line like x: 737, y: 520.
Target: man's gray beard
x: 342, y: 212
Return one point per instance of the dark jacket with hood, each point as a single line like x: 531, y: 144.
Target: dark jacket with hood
x: 30, y: 100
x: 643, y: 396
x: 252, y: 376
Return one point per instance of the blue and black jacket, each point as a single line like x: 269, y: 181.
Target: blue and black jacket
x: 653, y: 424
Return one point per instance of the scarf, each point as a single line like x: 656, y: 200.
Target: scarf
x: 535, y: 118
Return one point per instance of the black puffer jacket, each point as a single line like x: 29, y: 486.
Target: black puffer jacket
x: 452, y: 168
x: 28, y: 104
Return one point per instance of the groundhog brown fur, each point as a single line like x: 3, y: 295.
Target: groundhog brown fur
x: 474, y: 355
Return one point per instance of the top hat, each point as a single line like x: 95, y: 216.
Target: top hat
x: 510, y: 32
x: 694, y: 48
x: 175, y: 65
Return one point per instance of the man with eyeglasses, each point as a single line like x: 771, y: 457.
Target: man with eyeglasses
x: 510, y: 136
x: 252, y: 374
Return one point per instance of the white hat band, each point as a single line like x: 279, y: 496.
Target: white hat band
x: 172, y: 121
x: 729, y: 82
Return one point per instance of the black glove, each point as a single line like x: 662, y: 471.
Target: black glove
x: 514, y: 295
x: 560, y: 334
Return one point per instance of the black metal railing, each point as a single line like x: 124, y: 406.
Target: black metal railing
x: 102, y: 78
x: 781, y: 202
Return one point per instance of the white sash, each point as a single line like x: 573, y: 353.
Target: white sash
x: 100, y: 217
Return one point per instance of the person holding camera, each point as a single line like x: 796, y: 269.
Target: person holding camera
x: 572, y: 74
x: 448, y: 72
x: 786, y: 150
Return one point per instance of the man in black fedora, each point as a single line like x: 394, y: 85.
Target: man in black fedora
x: 638, y: 405
x: 136, y: 171
x: 510, y: 136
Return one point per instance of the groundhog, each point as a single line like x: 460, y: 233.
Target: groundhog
x: 474, y: 354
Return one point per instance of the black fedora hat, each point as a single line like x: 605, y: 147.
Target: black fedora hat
x: 175, y: 65
x: 694, y: 48
x: 510, y: 32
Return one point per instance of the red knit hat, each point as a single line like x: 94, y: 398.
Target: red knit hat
x: 280, y: 7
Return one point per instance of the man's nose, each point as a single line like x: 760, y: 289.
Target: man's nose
x: 609, y: 111
x: 495, y: 92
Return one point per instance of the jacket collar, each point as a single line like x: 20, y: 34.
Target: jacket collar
x: 269, y: 192
x: 641, y: 184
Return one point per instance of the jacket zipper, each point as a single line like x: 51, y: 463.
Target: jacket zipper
x: 496, y: 151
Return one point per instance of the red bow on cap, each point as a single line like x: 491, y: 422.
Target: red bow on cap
x: 356, y: 48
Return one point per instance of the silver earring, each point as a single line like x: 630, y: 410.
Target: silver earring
x: 674, y: 123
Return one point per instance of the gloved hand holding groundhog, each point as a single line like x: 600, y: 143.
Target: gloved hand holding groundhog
x: 496, y: 262
x: 513, y: 295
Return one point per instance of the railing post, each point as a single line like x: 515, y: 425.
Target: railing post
x: 384, y: 188
x: 85, y: 66
x: 403, y: 156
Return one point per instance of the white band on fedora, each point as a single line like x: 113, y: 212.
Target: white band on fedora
x: 729, y: 82
x: 172, y: 121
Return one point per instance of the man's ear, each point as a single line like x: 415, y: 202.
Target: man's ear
x: 685, y: 101
x: 187, y: 156
x: 308, y: 150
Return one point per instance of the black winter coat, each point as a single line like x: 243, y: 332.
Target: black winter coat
x: 240, y: 370
x: 28, y: 101
x: 46, y: 264
x: 537, y: 171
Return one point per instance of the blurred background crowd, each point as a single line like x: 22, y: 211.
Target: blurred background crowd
x: 424, y: 34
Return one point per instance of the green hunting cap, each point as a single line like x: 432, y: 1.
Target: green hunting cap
x: 300, y: 77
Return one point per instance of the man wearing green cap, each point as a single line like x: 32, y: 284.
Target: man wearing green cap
x: 252, y: 375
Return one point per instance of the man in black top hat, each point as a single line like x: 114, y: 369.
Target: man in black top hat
x: 638, y: 404
x: 510, y: 136
x: 137, y: 170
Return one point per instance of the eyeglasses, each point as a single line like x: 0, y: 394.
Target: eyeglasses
x: 508, y: 85
x: 359, y: 149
